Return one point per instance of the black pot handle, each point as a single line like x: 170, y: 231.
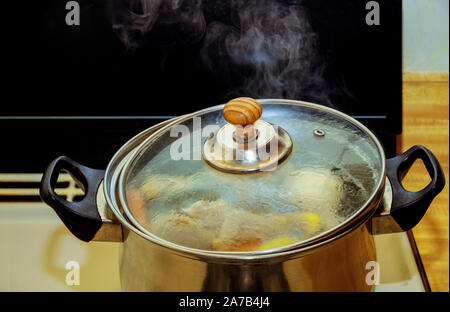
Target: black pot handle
x: 408, y: 208
x: 81, y: 218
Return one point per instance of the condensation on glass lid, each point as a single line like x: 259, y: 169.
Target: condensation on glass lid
x: 219, y: 212
x: 324, y: 181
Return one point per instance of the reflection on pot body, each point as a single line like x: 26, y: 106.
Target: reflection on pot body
x: 341, y: 266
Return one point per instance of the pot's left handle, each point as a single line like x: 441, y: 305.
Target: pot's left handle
x: 81, y: 218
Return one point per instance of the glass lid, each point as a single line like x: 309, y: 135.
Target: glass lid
x: 252, y: 176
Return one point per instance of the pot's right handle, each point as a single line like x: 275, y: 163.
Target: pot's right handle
x: 81, y: 218
x: 408, y: 208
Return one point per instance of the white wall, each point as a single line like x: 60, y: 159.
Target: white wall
x: 425, y: 36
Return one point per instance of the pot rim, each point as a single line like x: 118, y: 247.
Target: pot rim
x: 359, y: 217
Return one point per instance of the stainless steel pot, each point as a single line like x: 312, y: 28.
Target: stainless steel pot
x: 333, y: 261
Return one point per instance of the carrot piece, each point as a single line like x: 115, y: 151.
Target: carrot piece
x: 136, y: 203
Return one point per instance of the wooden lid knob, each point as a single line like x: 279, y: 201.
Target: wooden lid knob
x: 242, y: 111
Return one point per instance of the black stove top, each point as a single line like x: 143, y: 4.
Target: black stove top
x: 65, y: 86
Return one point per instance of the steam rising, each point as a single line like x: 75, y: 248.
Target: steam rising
x: 269, y: 47
x: 134, y: 19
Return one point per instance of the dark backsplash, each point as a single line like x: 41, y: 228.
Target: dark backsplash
x: 51, y: 69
